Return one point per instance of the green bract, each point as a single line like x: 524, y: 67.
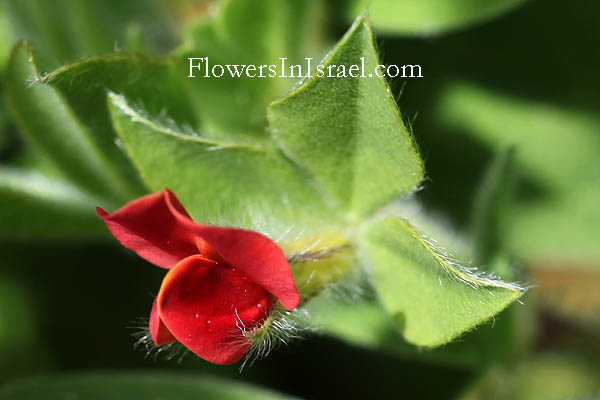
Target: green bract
x: 347, y: 133
x: 225, y: 183
x: 429, y: 295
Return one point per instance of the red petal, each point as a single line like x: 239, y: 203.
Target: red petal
x: 207, y: 306
x: 253, y: 254
x: 147, y: 227
x: 159, y: 332
x: 158, y: 228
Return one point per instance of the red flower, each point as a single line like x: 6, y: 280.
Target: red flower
x: 221, y: 281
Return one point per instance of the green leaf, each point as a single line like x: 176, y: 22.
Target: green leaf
x: 32, y: 205
x: 556, y: 218
x: 365, y: 323
x: 347, y: 132
x: 427, y: 17
x: 429, y: 295
x: 55, y: 132
x: 247, y: 32
x: 224, y: 183
x: 80, y: 89
x: 155, y: 84
x: 134, y: 386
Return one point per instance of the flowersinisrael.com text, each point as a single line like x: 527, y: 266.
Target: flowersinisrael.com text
x: 200, y: 67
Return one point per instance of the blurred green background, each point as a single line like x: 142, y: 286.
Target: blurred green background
x: 496, y: 73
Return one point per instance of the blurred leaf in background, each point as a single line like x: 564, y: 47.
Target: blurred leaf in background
x: 426, y: 17
x: 67, y: 30
x: 135, y: 386
x: 21, y: 345
x: 557, y: 148
x: 246, y: 32
x: 46, y: 207
x: 546, y: 377
x: 57, y: 140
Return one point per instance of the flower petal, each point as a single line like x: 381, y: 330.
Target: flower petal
x: 158, y: 229
x: 159, y: 332
x: 209, y: 306
x: 147, y: 226
x: 253, y: 254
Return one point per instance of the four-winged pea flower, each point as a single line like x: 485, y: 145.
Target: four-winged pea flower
x: 220, y: 281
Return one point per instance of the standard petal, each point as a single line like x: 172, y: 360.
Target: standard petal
x: 253, y: 254
x: 208, y: 307
x: 148, y: 227
x: 158, y: 228
x: 159, y: 332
